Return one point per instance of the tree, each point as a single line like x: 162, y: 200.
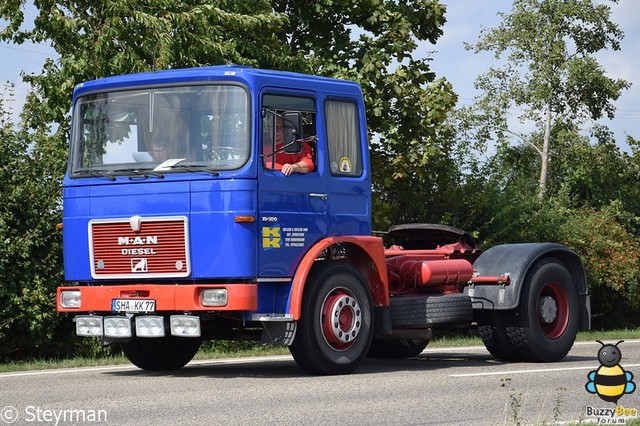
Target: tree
x: 591, y: 206
x: 98, y: 39
x: 30, y: 263
x: 369, y: 41
x: 373, y: 42
x: 550, y: 71
x: 586, y: 197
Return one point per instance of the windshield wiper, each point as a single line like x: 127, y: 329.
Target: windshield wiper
x: 106, y: 174
x: 195, y: 168
x: 137, y: 172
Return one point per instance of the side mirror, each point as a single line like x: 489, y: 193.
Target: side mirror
x: 292, y: 126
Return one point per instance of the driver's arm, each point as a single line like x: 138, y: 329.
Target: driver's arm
x: 299, y: 167
x: 303, y: 164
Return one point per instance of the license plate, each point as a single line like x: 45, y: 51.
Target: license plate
x: 135, y: 306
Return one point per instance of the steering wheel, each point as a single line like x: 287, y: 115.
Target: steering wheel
x: 225, y: 153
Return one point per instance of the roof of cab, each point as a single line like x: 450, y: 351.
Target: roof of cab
x: 250, y: 76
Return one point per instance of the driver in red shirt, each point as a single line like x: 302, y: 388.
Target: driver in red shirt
x: 291, y: 163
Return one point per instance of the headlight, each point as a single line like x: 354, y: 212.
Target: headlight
x: 213, y: 297
x: 70, y: 299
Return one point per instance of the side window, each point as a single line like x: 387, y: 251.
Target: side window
x: 343, y: 138
x: 288, y: 131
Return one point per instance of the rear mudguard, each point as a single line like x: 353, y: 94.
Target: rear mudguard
x: 516, y: 260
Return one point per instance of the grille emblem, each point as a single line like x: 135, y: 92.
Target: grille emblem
x: 136, y: 223
x: 139, y: 265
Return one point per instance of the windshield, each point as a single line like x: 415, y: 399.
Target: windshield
x: 169, y: 129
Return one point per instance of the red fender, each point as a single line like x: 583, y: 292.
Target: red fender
x: 369, y: 261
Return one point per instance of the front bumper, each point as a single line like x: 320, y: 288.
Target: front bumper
x: 168, y: 298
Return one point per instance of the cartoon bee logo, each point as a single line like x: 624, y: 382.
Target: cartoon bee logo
x: 610, y: 381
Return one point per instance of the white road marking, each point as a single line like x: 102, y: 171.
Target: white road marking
x: 542, y: 370
x: 538, y: 370
x: 67, y: 371
x: 482, y: 348
x: 134, y: 368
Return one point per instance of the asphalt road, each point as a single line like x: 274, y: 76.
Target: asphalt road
x: 441, y: 386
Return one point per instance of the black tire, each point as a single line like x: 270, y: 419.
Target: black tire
x: 397, y: 348
x: 333, y: 290
x: 544, y: 326
x: 493, y: 332
x: 426, y: 311
x: 160, y: 354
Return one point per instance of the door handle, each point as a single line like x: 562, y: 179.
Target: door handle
x: 321, y: 196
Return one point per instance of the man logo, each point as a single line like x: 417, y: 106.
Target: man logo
x: 139, y: 265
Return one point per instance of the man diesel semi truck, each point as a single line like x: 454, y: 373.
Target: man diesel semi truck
x: 179, y: 226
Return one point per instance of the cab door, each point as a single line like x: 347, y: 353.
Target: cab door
x: 293, y: 213
x: 349, y: 180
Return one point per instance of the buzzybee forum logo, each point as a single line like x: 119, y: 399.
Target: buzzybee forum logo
x: 610, y: 382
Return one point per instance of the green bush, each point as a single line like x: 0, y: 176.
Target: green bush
x: 30, y: 245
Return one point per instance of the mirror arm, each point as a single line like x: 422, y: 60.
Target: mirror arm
x: 307, y: 140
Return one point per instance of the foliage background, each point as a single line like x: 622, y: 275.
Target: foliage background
x: 430, y: 160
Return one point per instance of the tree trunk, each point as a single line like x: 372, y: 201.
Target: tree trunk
x: 544, y: 156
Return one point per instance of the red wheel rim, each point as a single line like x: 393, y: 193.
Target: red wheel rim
x: 553, y: 310
x: 341, y: 318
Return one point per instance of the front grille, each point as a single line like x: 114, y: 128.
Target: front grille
x: 139, y: 248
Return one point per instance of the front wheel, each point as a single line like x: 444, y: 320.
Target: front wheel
x: 335, y: 330
x: 160, y: 354
x: 545, y: 324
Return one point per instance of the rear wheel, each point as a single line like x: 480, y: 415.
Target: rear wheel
x: 160, y: 354
x: 544, y: 326
x: 397, y: 348
x: 493, y: 332
x: 335, y: 330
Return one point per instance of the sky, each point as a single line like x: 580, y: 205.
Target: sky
x: 465, y: 18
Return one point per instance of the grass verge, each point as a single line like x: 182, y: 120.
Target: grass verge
x: 471, y: 338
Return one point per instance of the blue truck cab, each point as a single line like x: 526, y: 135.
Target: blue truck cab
x: 176, y: 210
